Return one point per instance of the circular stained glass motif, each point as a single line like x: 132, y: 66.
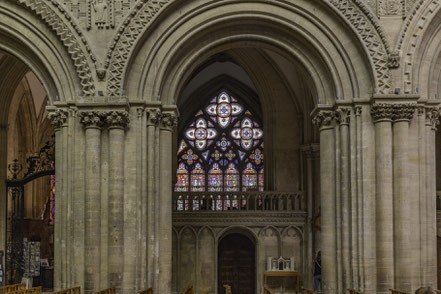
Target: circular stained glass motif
x: 201, y: 134
x: 224, y: 110
x: 247, y: 133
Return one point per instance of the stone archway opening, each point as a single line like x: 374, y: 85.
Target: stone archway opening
x: 236, y: 264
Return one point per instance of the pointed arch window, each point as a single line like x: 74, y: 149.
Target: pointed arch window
x: 221, y: 149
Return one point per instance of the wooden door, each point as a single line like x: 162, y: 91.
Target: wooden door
x: 236, y: 264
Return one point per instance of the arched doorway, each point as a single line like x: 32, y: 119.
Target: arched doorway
x: 236, y: 264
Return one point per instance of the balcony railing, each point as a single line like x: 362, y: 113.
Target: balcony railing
x: 225, y: 201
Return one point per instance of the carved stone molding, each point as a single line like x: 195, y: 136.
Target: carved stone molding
x: 153, y: 116
x: 71, y: 36
x: 117, y: 119
x: 432, y: 117
x: 58, y: 118
x: 382, y: 112
x: 92, y: 119
x: 343, y: 115
x: 169, y: 121
x: 390, y: 7
x: 324, y: 118
x: 394, y: 59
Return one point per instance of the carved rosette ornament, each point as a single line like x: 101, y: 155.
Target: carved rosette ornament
x: 92, y: 119
x: 169, y: 121
x: 117, y: 119
x: 343, y: 115
x: 404, y: 111
x: 153, y: 116
x: 58, y: 118
x: 324, y: 118
x: 432, y: 117
x: 382, y: 112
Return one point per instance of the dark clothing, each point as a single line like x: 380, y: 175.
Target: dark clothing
x: 317, y: 267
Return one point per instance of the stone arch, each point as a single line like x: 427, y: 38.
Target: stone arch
x: 162, y: 61
x: 239, y: 230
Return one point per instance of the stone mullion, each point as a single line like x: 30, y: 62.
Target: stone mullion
x: 353, y: 198
x: 343, y: 115
x: 64, y: 203
x: 70, y: 215
x: 359, y: 172
x: 382, y: 115
x: 58, y: 119
x: 338, y: 210
x: 325, y: 121
x: 432, y: 121
x: 117, y: 122
x: 104, y: 242
x: 422, y: 193
x: 401, y: 192
x: 157, y: 206
x: 142, y: 201
x: 168, y: 123
x: 93, y: 122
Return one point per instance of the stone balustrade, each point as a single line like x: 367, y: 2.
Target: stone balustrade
x: 225, y: 201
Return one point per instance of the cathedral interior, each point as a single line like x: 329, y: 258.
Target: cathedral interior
x: 220, y: 146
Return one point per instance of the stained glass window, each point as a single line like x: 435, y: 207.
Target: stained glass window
x: 221, y: 150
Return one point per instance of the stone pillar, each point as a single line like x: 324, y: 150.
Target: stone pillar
x: 432, y: 121
x: 324, y: 119
x: 168, y: 122
x: 343, y: 118
x: 58, y: 119
x: 92, y: 121
x: 153, y: 119
x: 402, y: 114
x: 117, y: 122
x: 382, y: 115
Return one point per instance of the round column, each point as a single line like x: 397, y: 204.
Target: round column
x: 92, y: 121
x: 325, y: 121
x: 382, y: 116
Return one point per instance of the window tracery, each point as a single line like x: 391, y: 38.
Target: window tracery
x: 221, y: 150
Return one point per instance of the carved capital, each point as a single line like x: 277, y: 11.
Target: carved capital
x: 432, y: 117
x: 382, y: 112
x: 343, y: 115
x: 324, y: 118
x: 403, y: 111
x: 420, y: 110
x: 117, y: 119
x: 169, y: 121
x: 358, y: 110
x: 58, y: 118
x: 153, y: 116
x: 92, y: 119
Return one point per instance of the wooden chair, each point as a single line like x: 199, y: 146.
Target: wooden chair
x: 267, y: 290
x: 352, y: 291
x: 107, y: 291
x: 12, y: 288
x: 304, y: 290
x: 76, y: 290
x: 393, y: 291
x: 227, y: 289
x: 148, y: 291
x: 189, y: 290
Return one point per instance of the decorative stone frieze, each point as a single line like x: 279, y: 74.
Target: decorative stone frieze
x: 381, y: 111
x: 92, y: 119
x: 324, y: 118
x: 169, y: 121
x: 432, y: 117
x: 58, y: 118
x: 343, y: 115
x: 153, y: 116
x: 117, y: 119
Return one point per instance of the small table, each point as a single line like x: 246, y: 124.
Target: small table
x: 284, y: 274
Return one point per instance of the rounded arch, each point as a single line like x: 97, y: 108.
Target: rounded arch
x: 185, y: 36
x: 24, y: 37
x: 243, y: 230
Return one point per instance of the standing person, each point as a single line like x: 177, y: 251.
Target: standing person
x: 318, y: 273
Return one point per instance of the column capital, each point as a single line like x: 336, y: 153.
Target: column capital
x: 382, y: 112
x: 432, y: 117
x: 358, y: 110
x: 169, y: 120
x: 403, y: 111
x: 117, y: 119
x: 324, y: 118
x: 343, y: 115
x: 153, y: 116
x: 58, y: 118
x: 92, y: 119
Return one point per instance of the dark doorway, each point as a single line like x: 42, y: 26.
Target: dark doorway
x: 236, y: 266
